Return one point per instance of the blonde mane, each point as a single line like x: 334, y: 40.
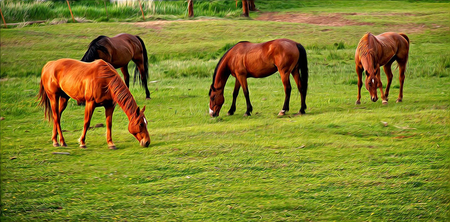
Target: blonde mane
x: 120, y: 92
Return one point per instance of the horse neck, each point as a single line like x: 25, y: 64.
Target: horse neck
x: 221, y: 74
x: 122, y: 96
x: 368, y: 48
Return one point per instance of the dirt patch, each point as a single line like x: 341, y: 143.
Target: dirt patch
x: 334, y: 19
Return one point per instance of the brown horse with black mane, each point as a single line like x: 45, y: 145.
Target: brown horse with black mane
x: 247, y: 59
x: 119, y: 51
x: 381, y: 50
x: 96, y: 84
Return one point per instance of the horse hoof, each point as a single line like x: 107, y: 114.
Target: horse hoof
x: 83, y: 146
x: 113, y: 147
x: 230, y: 114
x: 299, y: 114
x: 385, y: 102
x: 148, y: 98
x: 63, y: 144
x: 56, y: 144
x: 281, y: 113
x: 357, y: 102
x: 399, y: 100
x: 247, y: 114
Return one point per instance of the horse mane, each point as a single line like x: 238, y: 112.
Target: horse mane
x: 92, y: 54
x: 220, y: 61
x: 366, y: 45
x: 120, y: 92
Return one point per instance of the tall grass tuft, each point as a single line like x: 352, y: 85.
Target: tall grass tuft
x: 126, y: 10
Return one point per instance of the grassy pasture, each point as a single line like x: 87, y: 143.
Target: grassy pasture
x: 338, y: 162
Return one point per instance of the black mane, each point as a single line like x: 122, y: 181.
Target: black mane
x: 92, y: 54
x: 220, y: 61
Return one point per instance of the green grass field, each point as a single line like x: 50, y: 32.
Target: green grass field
x: 339, y: 162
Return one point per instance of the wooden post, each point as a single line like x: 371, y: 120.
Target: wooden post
x: 106, y: 10
x: 140, y: 5
x: 4, y: 22
x: 245, y: 8
x: 191, y: 8
x: 73, y: 20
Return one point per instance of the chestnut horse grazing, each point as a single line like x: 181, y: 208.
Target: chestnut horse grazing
x: 95, y: 84
x: 381, y: 50
x: 119, y: 51
x: 247, y: 59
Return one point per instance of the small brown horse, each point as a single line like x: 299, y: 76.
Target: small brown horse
x: 381, y: 50
x: 119, y: 51
x: 247, y: 59
x: 96, y: 84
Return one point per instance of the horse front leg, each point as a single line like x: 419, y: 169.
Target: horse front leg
x: 359, y: 71
x: 243, y: 81
x: 237, y: 86
x: 380, y: 86
x: 109, y: 114
x: 88, y: 111
x: 287, y: 92
x: 126, y: 75
x: 388, y: 72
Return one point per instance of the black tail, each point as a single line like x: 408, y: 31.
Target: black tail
x: 144, y: 77
x: 303, y: 66
x: 92, y: 54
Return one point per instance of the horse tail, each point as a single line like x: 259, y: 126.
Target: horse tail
x: 405, y: 37
x: 144, y: 77
x: 303, y: 67
x: 45, y: 102
x: 92, y: 52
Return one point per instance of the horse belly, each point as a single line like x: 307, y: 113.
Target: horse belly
x: 258, y: 70
x: 262, y: 72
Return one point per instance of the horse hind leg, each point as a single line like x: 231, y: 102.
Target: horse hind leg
x: 54, y: 103
x: 296, y: 76
x: 143, y: 76
x: 62, y: 106
x: 126, y: 75
x: 287, y: 92
x: 402, y: 69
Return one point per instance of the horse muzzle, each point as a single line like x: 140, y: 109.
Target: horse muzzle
x: 212, y: 113
x: 144, y: 143
x: 374, y: 99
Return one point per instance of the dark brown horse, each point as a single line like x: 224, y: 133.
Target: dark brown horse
x: 119, y: 51
x: 95, y: 84
x: 381, y: 50
x: 247, y: 59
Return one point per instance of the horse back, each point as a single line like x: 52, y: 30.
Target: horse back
x: 78, y: 80
x: 263, y: 59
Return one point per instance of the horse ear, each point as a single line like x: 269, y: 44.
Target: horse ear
x: 143, y: 109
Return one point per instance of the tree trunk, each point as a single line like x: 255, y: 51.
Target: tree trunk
x: 245, y: 8
x: 251, y: 5
x: 191, y: 8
